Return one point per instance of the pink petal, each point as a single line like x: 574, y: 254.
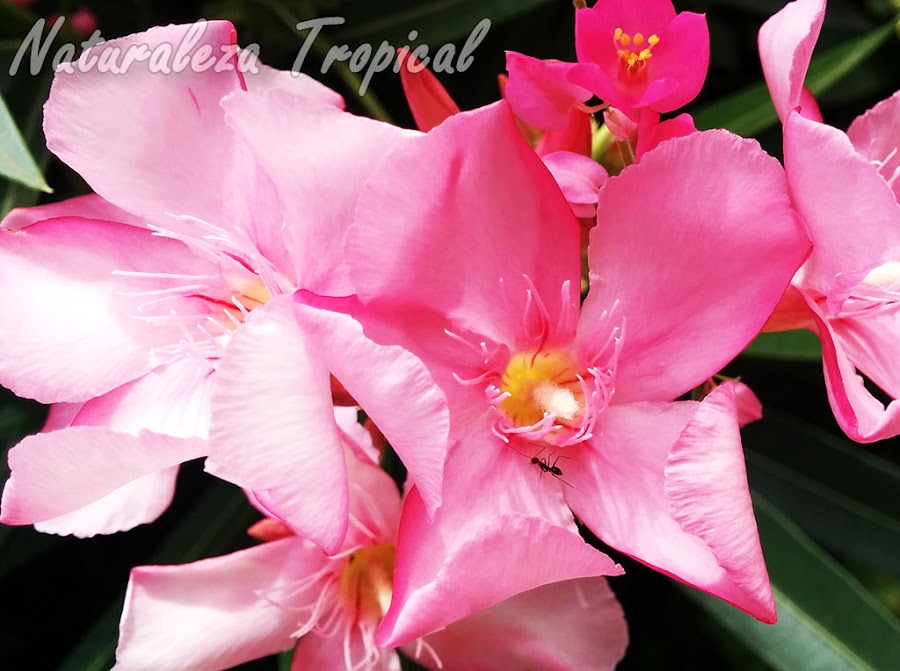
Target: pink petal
x: 316, y: 188
x: 139, y: 502
x: 579, y: 178
x: 502, y: 530
x: 572, y: 625
x: 575, y: 137
x: 595, y: 27
x: 749, y: 408
x: 854, y: 223
x: 427, y: 98
x: 681, y: 56
x: 273, y: 428
x: 665, y: 483
x: 56, y: 473
x: 435, y: 210
x: 91, y: 206
x: 652, y: 132
x: 721, y: 241
x: 296, y: 83
x: 391, y: 384
x: 539, y: 91
x: 216, y: 613
x: 869, y: 344
x: 150, y: 142
x: 74, y: 329
x: 786, y: 43
x: 876, y: 135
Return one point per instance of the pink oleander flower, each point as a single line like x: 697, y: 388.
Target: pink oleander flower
x: 140, y: 294
x: 634, y: 56
x: 556, y: 407
x: 260, y: 601
x: 849, y: 289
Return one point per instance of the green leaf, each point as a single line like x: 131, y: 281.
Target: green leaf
x: 836, y: 491
x: 800, y: 345
x: 16, y: 162
x: 750, y: 111
x: 436, y: 21
x: 826, y: 620
x: 212, y: 526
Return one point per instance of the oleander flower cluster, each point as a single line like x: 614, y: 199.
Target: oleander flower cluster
x: 534, y: 328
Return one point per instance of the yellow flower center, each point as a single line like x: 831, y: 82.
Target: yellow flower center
x: 540, y: 383
x: 367, y: 581
x: 247, y: 298
x: 633, y: 54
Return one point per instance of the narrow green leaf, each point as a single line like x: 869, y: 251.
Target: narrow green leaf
x: 16, y: 163
x: 750, y: 111
x: 827, y: 620
x: 800, y: 345
x: 838, y: 493
x: 211, y: 527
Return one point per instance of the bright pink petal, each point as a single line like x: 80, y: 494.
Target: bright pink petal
x: 91, y: 206
x: 273, y: 428
x: 392, y: 385
x: 852, y: 215
x: 570, y: 625
x: 786, y: 43
x: 681, y: 56
x: 869, y: 344
x: 749, y: 408
x: 694, y: 259
x: 579, y: 178
x: 503, y: 529
x: 574, y: 137
x: 876, y: 135
x: 666, y: 484
x: 596, y: 27
x: 150, y: 142
x: 317, y: 187
x: 435, y: 210
x: 651, y: 132
x: 427, y: 98
x: 73, y: 328
x: 139, y: 502
x: 216, y: 613
x: 539, y: 91
x: 56, y: 473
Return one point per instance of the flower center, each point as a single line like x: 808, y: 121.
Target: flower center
x: 367, y: 580
x: 633, y: 54
x: 542, y: 383
x: 247, y: 298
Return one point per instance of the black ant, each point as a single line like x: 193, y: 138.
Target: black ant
x: 546, y: 467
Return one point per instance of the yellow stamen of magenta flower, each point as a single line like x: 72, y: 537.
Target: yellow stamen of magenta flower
x: 634, y: 60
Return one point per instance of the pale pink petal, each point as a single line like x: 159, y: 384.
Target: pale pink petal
x: 876, y: 135
x: 579, y: 177
x: 426, y: 216
x: 73, y: 329
x: 166, y: 147
x: 665, y: 484
x: 852, y: 215
x: 786, y: 43
x: 846, y: 345
x: 91, y: 206
x: 216, y: 613
x: 694, y: 259
x: 173, y: 399
x: 273, y: 428
x: 503, y: 529
x: 427, y: 98
x: 808, y: 106
x: 317, y: 187
x: 575, y: 625
x: 391, y: 384
x: 56, y: 473
x: 296, y: 83
x: 539, y: 91
x: 140, y: 501
x: 316, y: 652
